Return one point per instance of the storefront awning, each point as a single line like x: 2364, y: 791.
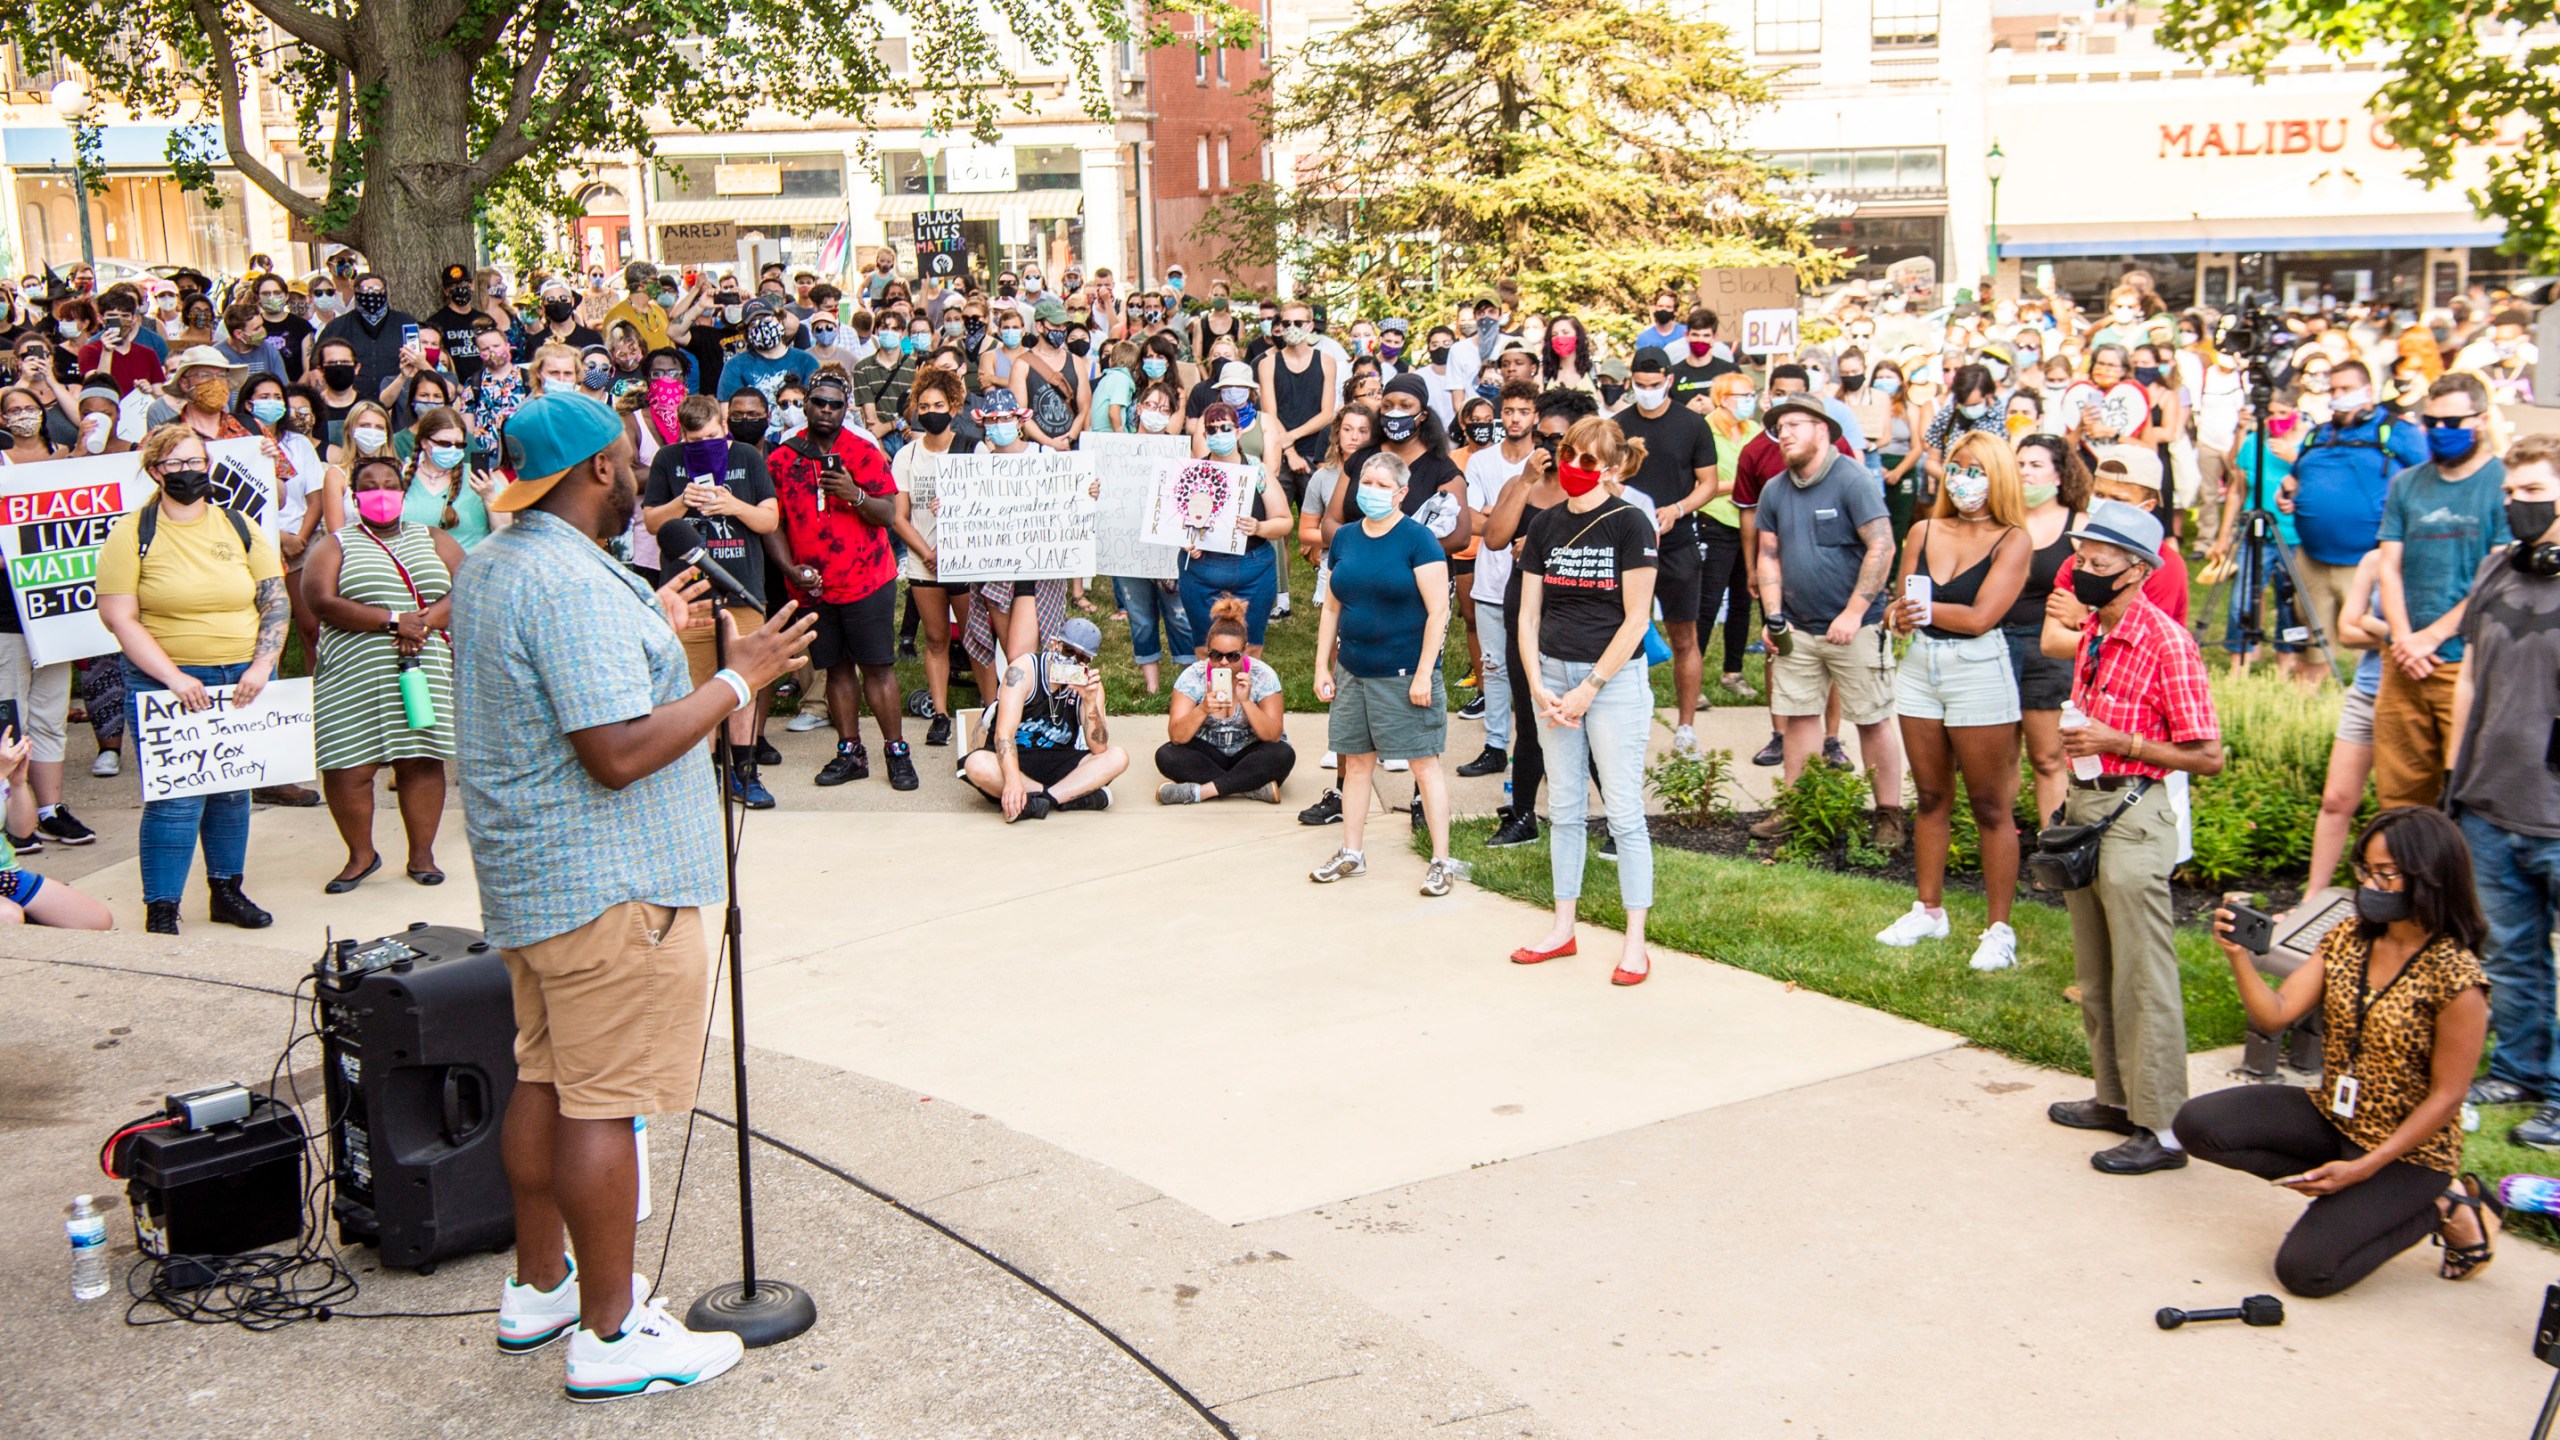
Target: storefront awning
x: 1039, y: 204
x: 2051, y: 243
x: 747, y: 211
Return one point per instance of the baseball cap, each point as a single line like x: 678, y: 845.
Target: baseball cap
x: 2129, y: 528
x: 549, y: 435
x: 2130, y: 465
x: 1050, y: 311
x: 457, y: 275
x: 1395, y: 325
x: 1082, y: 636
x: 1652, y: 359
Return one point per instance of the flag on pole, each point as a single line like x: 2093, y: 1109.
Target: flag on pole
x: 833, y: 254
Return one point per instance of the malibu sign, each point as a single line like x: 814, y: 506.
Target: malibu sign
x: 2275, y: 137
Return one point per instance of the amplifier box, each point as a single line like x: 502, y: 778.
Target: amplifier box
x: 225, y: 1190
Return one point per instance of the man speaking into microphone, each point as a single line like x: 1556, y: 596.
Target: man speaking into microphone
x: 595, y: 829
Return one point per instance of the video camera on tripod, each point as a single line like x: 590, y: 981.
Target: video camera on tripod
x: 2251, y: 333
x: 2256, y: 337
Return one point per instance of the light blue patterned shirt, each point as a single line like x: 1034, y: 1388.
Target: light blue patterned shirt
x: 551, y: 635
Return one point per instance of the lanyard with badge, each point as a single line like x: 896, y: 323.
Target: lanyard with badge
x: 2342, y: 1092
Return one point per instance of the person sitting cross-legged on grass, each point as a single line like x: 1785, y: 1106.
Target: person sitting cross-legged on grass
x: 1048, y: 743
x: 1224, y: 735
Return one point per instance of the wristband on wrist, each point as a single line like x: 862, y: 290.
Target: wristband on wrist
x: 738, y: 683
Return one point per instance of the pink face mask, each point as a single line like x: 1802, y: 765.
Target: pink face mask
x: 379, y: 507
x: 1565, y: 344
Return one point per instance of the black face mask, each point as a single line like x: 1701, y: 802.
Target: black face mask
x: 1661, y: 317
x: 458, y: 296
x: 558, y: 311
x: 2096, y: 591
x: 933, y: 422
x: 1079, y: 348
x: 1852, y: 381
x: 748, y: 432
x: 187, y: 486
x: 338, y: 377
x: 1484, y: 432
x: 2382, y: 907
x: 1610, y: 391
x: 1439, y: 354
x: 1398, y: 428
x: 2527, y: 520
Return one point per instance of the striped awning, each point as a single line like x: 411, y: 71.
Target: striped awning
x: 747, y: 210
x: 1038, y: 204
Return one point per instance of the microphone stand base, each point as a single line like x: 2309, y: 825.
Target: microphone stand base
x: 779, y: 1311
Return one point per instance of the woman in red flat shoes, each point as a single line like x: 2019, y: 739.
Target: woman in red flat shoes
x: 1586, y: 596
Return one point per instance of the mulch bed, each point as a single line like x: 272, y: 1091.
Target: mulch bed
x: 1730, y: 839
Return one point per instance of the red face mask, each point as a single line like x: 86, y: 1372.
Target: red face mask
x: 1699, y: 346
x: 1575, y: 479
x: 1566, y: 343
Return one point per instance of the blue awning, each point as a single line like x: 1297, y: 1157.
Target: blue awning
x: 2189, y: 245
x: 119, y: 146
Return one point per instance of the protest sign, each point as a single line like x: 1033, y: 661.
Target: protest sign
x: 1126, y: 466
x: 54, y: 514
x: 1015, y: 517
x: 1769, y: 332
x: 941, y: 250
x: 1749, y: 287
x: 221, y: 747
x: 1200, y: 502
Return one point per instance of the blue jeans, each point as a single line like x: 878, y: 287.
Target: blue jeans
x: 2518, y: 877
x: 1611, y: 739
x: 170, y: 828
x: 1253, y: 577
x: 2271, y: 573
x: 1494, y: 638
x: 1148, y: 609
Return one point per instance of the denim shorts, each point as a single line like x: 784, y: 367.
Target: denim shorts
x: 1963, y: 683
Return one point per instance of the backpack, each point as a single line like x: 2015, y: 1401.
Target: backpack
x: 148, y: 525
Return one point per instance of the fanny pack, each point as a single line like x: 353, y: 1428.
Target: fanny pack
x: 2066, y: 856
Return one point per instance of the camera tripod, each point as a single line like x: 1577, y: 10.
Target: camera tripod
x: 2257, y: 539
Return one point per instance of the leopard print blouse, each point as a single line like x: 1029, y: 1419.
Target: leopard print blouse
x: 2394, y: 1070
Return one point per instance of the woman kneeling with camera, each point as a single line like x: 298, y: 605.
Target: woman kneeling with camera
x: 2403, y: 1003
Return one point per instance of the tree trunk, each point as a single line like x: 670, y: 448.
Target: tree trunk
x: 415, y: 216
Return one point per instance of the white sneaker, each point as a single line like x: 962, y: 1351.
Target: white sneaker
x: 529, y: 1319
x: 652, y: 1353
x: 1684, y: 741
x: 105, y: 765
x: 1913, y: 928
x: 805, y: 721
x: 1331, y: 761
x: 1998, y: 950
x: 1395, y: 767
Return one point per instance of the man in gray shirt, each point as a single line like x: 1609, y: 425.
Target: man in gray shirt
x: 1826, y: 552
x: 2506, y: 709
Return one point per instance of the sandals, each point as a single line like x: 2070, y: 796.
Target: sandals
x: 2461, y: 1262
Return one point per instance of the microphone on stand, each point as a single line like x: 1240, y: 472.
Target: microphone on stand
x: 681, y: 539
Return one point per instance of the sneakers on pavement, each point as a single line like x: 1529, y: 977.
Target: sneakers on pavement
x: 1607, y: 849
x: 902, y: 767
x: 1177, y: 792
x: 1395, y: 767
x: 529, y: 1319
x: 850, y: 763
x: 1035, y: 806
x: 2542, y: 1132
x: 1916, y: 925
x: 1472, y: 710
x: 805, y: 721
x: 31, y: 843
x: 1684, y: 740
x: 937, y: 731
x: 1331, y: 761
x: 765, y: 753
x: 1326, y: 811
x: 1089, y: 800
x: 748, y: 787
x: 1442, y: 874
x: 1998, y: 948
x: 654, y: 1352
x: 1518, y: 828
x: 63, y: 828
x: 2489, y: 1090
x: 106, y: 765
x: 1773, y: 753
x: 1267, y: 792
x: 1344, y: 865
x: 1490, y: 761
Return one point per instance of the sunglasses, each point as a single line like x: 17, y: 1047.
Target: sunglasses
x: 2446, y: 422
x: 1225, y: 657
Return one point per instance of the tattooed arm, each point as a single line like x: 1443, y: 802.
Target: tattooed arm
x: 274, y: 614
x: 1873, y: 570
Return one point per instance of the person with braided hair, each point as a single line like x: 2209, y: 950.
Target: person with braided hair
x: 445, y: 491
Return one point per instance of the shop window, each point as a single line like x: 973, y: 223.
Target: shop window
x: 1223, y: 181
x: 1199, y: 65
x: 1204, y: 162
x: 694, y: 177
x: 1903, y: 24
x: 1786, y: 27
x: 1222, y: 65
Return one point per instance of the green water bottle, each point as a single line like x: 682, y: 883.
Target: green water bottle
x: 415, y: 698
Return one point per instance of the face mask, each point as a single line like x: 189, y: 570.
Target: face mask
x: 446, y: 457
x: 1053, y: 338
x: 70, y: 328
x: 1235, y: 395
x: 1031, y: 284
x: 1576, y: 480
x: 2317, y: 382
x: 954, y: 327
x: 27, y: 424
x: 1699, y: 346
x: 2096, y: 591
x: 266, y: 412
x: 338, y: 377
x: 1296, y: 336
x: 1487, y: 326
x: 2452, y: 445
x: 1484, y: 432
x: 1222, y: 442
x: 914, y: 345
x: 187, y: 486
x: 271, y: 304
x: 764, y: 334
x: 1745, y: 406
x: 933, y: 422
x: 747, y: 432
x: 1888, y: 385
x: 666, y: 299
x: 380, y: 507
x: 1154, y: 422
x: 1079, y: 348
x: 2383, y: 907
x: 1650, y: 397
x: 1970, y: 489
x: 1001, y: 433
x: 1398, y: 428
x: 2041, y: 495
x: 2028, y: 355
x: 1852, y: 381
x: 1173, y: 282
x: 2127, y: 315
x: 1975, y: 411
x: 1152, y: 367
x: 1010, y: 336
x: 372, y: 305
x: 1375, y: 503
x: 210, y: 394
x: 369, y: 439
x: 457, y: 296
x: 1437, y: 354
x: 1661, y: 318
x: 2527, y: 520
x: 1391, y: 348
x: 2348, y: 402
x: 2146, y: 374
x: 790, y: 417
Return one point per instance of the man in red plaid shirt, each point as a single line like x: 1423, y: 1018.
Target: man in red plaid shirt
x: 2138, y: 679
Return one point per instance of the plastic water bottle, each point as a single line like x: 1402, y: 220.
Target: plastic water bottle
x: 2084, y: 766
x: 1506, y: 797
x: 88, y: 1230
x: 2533, y: 1194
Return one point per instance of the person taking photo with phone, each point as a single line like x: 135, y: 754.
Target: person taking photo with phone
x: 1224, y: 736
x: 2377, y: 1144
x: 1047, y: 736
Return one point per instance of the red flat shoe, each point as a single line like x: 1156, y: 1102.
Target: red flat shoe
x: 1527, y: 956
x: 1624, y: 976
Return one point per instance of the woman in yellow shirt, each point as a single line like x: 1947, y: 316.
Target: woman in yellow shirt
x: 203, y: 605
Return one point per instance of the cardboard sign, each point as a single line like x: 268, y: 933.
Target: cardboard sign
x: 940, y: 250
x: 54, y: 514
x: 1015, y: 517
x: 703, y: 242
x: 222, y: 747
x: 1758, y: 287
x: 1126, y: 466
x: 1203, y: 503
x: 1769, y: 332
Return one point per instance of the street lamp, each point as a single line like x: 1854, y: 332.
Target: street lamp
x: 929, y: 145
x: 73, y: 102
x: 1994, y: 165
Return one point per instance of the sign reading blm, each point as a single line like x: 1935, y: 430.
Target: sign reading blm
x: 940, y: 252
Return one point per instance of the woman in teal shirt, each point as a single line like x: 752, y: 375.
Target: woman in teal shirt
x: 445, y: 492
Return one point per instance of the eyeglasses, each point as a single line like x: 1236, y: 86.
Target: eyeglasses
x: 2386, y: 875
x: 2446, y: 422
x: 185, y: 467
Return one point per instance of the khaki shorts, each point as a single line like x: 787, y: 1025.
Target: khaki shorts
x: 1860, y: 671
x: 697, y: 642
x: 613, y: 1013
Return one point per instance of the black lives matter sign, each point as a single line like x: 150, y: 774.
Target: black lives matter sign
x: 940, y: 252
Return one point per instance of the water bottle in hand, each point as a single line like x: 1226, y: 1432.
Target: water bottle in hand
x: 2084, y: 767
x: 88, y: 1230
